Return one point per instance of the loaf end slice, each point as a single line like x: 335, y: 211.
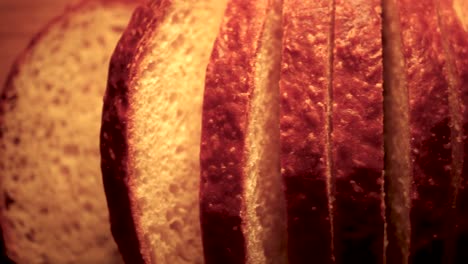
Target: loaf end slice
x: 53, y: 206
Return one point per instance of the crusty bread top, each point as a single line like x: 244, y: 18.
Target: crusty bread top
x: 50, y: 164
x: 229, y: 85
x: 241, y: 136
x: 305, y: 78
x: 357, y: 133
x: 429, y: 127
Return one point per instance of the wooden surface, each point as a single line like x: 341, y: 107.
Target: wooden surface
x: 20, y: 20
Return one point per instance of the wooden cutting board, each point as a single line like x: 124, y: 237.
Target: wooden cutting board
x: 20, y: 20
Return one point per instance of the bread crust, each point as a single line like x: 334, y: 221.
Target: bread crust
x: 303, y: 124
x: 116, y: 153
x: 357, y: 133
x: 430, y: 132
x: 457, y: 37
x: 8, y: 94
x: 228, y: 91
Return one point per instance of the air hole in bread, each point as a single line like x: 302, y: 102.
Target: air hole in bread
x: 48, y: 87
x: 56, y: 101
x: 55, y: 49
x: 176, y: 225
x: 85, y: 24
x: 71, y: 150
x: 101, y: 41
x: 8, y: 200
x: 44, y: 210
x: 66, y: 229
x: 179, y: 41
x: 151, y: 66
x: 76, y: 58
x: 35, y: 72
x: 88, y: 207
x: 86, y: 89
x: 16, y: 140
x: 102, y: 240
x: 31, y: 235
x: 169, y: 215
x: 179, y: 150
x: 65, y: 170
x: 76, y: 225
x: 118, y: 29
x: 173, y: 98
x: 86, y: 44
x: 15, y: 177
x: 173, y: 188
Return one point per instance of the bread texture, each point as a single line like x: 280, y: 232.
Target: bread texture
x: 357, y: 132
x: 304, y: 84
x: 241, y: 187
x: 53, y: 207
x: 150, y: 136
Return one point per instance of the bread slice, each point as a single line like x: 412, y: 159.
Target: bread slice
x: 150, y: 136
x: 357, y: 132
x: 242, y: 206
x: 53, y: 207
x: 453, y: 18
x: 304, y: 84
x: 429, y: 125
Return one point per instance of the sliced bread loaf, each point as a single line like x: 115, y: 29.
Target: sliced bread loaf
x: 150, y: 136
x: 242, y: 206
x: 332, y: 131
x: 53, y: 207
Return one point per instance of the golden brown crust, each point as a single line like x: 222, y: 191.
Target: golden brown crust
x: 430, y: 133
x: 116, y: 119
x: 303, y: 90
x: 357, y: 133
x: 457, y: 38
x: 228, y: 91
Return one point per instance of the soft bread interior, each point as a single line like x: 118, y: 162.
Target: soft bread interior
x: 54, y: 207
x: 396, y: 140
x: 265, y: 219
x: 461, y: 10
x: 164, y: 131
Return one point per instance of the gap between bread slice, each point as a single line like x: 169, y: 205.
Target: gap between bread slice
x: 396, y: 139
x: 265, y: 225
x: 164, y: 131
